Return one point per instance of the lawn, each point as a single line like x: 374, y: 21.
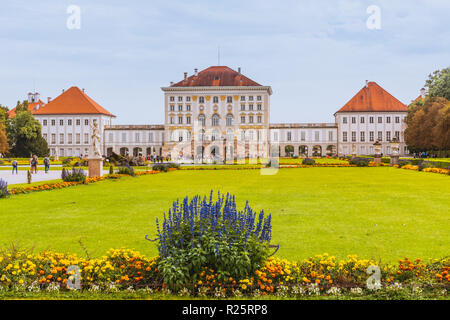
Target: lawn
x: 381, y: 212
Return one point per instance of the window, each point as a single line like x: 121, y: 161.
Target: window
x: 397, y: 119
x: 388, y: 119
x: 353, y: 136
x: 397, y: 135
x: 53, y: 138
x: 344, y: 120
x: 275, y: 136
x: 242, y: 119
x: 380, y: 119
x: 53, y: 122
x: 61, y: 122
x: 180, y: 98
x: 78, y: 138
x: 215, y: 120
x: 380, y: 136
x: 242, y: 98
x: 137, y: 137
x: 303, y: 136
x: 172, y: 107
x: 250, y: 107
x: 61, y: 152
x: 229, y: 99
x: 150, y: 137
x: 289, y: 136
x: 370, y: 119
x: 44, y: 123
x: 45, y: 136
x: 362, y: 119
x: 180, y: 137
x: 259, y: 119
x: 188, y: 107
x: 215, y: 99
x: 371, y: 136
x: 172, y: 99
x: 86, y: 138
x: 180, y: 107
x: 259, y: 106
x: 259, y: 98
x: 242, y: 107
x: 229, y: 120
x: 188, y: 99
x: 201, y: 99
x: 172, y: 121
x: 188, y: 120
x: 69, y: 138
x: 180, y: 120
x: 86, y: 122
x: 388, y: 136
x: 78, y: 122
x: 124, y: 137
x: 250, y: 98
x: 69, y: 122
x: 353, y: 119
x: 330, y: 136
x: 201, y: 119
x: 362, y: 136
x: 316, y: 135
x: 344, y: 136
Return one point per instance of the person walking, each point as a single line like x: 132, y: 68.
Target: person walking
x: 47, y: 164
x: 14, y: 166
x: 34, y: 163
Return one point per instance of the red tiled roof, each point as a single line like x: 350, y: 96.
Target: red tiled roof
x: 73, y: 101
x: 373, y: 98
x: 33, y: 107
x: 217, y: 76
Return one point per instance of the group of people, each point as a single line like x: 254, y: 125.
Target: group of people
x: 156, y: 159
x: 34, y: 161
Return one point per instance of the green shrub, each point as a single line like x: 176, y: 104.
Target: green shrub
x: 3, y: 189
x: 111, y: 170
x: 200, y: 234
x: 308, y: 162
x: 160, y: 167
x: 362, y: 163
x: 126, y: 170
x: 74, y: 175
x: 173, y: 165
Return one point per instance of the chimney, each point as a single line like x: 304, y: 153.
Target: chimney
x: 239, y: 70
x: 196, y: 72
x: 171, y: 83
x: 49, y: 99
x: 83, y: 90
x: 423, y: 92
x: 367, y: 83
x: 62, y: 90
x: 185, y: 75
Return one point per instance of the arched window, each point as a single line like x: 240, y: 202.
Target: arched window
x: 215, y: 120
x: 201, y: 135
x: 201, y: 120
x: 215, y: 135
x: 229, y: 120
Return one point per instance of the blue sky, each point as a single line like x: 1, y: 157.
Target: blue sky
x: 315, y: 54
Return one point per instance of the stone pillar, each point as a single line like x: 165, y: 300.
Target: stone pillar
x: 95, y: 167
x: 394, y: 160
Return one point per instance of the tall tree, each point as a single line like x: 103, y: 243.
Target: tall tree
x: 24, y: 135
x: 21, y: 106
x: 438, y: 84
x: 4, y: 146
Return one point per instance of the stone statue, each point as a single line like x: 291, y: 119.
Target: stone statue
x: 95, y: 140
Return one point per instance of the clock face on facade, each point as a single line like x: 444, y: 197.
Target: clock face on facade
x: 202, y: 108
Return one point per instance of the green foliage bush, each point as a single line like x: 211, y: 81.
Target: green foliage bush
x: 126, y: 170
x: 308, y: 162
x: 74, y: 175
x: 201, y: 234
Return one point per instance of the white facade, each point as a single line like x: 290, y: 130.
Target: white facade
x: 358, y: 131
x: 69, y: 135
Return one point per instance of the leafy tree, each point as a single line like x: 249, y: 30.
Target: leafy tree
x: 438, y: 84
x: 24, y: 134
x: 4, y: 146
x: 428, y: 123
x: 21, y: 106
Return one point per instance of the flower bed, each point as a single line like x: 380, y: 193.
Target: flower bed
x: 61, y: 185
x: 417, y: 168
x: 124, y: 269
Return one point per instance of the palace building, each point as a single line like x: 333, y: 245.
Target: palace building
x: 219, y: 114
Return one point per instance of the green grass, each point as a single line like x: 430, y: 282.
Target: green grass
x: 382, y: 212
